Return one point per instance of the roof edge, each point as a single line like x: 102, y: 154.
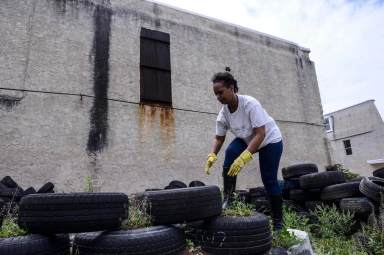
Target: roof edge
x: 304, y: 49
x: 342, y: 109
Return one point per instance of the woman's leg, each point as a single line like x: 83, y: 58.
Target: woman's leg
x: 269, y: 159
x: 234, y: 149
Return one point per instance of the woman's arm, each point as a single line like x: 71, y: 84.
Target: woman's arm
x: 217, y: 143
x: 258, y: 137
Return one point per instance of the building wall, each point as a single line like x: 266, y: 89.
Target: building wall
x: 57, y: 126
x: 363, y: 126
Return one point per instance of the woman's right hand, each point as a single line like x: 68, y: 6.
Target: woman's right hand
x: 210, y: 161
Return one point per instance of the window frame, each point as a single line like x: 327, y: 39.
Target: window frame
x: 328, y: 119
x: 347, y: 147
x: 155, y: 68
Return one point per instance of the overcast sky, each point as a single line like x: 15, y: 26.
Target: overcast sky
x: 346, y: 38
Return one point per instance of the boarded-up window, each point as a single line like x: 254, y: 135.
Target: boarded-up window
x: 347, y: 147
x: 155, y: 67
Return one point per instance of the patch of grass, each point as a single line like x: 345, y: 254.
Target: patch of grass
x: 284, y: 239
x: 238, y: 208
x: 336, y: 246
x: 371, y: 238
x: 137, y: 214
x: 10, y: 228
x: 295, y: 221
x: 88, y: 184
x: 332, y: 222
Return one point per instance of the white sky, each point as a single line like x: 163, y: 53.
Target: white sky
x: 346, y: 38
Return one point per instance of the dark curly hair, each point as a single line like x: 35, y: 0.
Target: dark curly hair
x: 227, y: 79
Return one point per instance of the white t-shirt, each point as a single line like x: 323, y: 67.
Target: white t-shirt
x: 248, y: 115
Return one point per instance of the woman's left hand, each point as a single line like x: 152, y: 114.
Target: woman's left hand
x: 239, y: 163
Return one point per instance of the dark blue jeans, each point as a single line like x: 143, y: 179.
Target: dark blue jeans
x: 269, y: 159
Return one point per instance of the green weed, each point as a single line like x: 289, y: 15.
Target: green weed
x: 238, y: 208
x: 137, y: 214
x: 10, y: 228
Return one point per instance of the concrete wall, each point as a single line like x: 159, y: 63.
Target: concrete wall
x: 57, y: 126
x: 363, y: 126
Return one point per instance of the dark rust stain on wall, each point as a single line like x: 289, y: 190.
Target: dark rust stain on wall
x: 97, y: 138
x: 155, y: 120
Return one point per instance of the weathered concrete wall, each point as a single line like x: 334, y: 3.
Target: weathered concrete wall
x: 363, y: 126
x: 63, y: 58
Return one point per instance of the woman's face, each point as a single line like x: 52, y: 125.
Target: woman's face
x: 223, y: 94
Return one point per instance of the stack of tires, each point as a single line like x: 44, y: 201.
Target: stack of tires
x: 96, y: 219
x: 214, y: 233
x: 259, y: 199
x: 360, y: 196
x: 233, y: 235
x: 11, y: 193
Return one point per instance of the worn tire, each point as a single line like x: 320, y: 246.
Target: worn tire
x: 47, y: 188
x: 29, y: 191
x: 257, y: 192
x: 357, y: 205
x: 196, y: 183
x: 183, y: 205
x: 261, y: 205
x: 73, y: 212
x: 158, y: 240
x: 356, y: 179
x: 234, y: 235
x: 372, y: 187
x: 304, y: 195
x: 10, y: 194
x: 10, y: 183
x: 341, y: 190
x: 321, y: 180
x: 379, y: 173
x: 298, y: 170
x: 176, y: 185
x: 35, y: 245
x: 312, y: 205
x: 243, y: 195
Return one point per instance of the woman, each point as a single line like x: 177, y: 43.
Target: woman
x: 255, y: 131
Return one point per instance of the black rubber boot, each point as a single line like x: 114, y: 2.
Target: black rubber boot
x: 229, y: 188
x: 276, y: 202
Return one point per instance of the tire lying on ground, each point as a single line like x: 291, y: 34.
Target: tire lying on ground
x: 243, y: 195
x: 233, y: 235
x: 304, y: 195
x: 298, y: 170
x: 313, y: 205
x: 257, y: 192
x: 156, y: 240
x: 72, y: 212
x: 183, y: 205
x: 10, y: 183
x: 196, y: 183
x: 176, y: 185
x: 357, y: 205
x: 261, y: 205
x: 47, y: 188
x: 372, y: 187
x: 10, y: 194
x: 379, y: 173
x: 321, y: 180
x: 341, y: 190
x: 35, y: 245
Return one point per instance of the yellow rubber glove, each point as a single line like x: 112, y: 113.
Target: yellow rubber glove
x: 239, y: 163
x: 211, y: 159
